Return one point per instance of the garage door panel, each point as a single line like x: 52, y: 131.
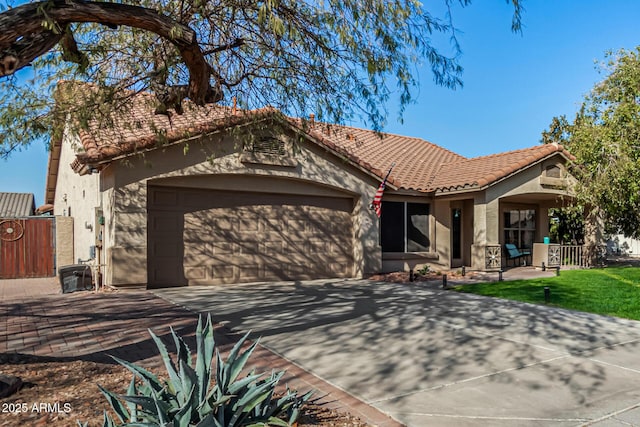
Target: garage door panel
x: 195, y: 273
x: 222, y: 273
x: 223, y: 248
x: 216, y: 237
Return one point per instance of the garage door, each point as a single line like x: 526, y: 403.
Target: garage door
x: 198, y: 237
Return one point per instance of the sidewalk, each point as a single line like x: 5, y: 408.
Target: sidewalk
x: 36, y: 319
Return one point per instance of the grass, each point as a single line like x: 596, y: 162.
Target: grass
x: 608, y: 291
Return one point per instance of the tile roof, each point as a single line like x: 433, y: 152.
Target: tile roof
x: 16, y: 204
x: 419, y: 164
x: 416, y: 160
x: 479, y: 172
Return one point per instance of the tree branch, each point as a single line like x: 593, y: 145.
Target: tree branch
x: 236, y: 43
x: 23, y: 37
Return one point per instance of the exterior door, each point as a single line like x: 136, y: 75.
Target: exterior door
x: 456, y: 237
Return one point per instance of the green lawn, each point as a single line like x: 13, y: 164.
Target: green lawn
x: 608, y: 291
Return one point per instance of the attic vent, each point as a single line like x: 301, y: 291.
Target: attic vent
x: 271, y: 146
x: 553, y: 172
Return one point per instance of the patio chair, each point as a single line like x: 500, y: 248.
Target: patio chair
x: 514, y: 253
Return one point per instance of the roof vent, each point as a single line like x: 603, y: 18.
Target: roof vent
x: 268, y: 145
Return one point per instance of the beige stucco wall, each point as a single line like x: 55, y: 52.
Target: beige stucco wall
x: 124, y: 190
x: 64, y: 241
x: 442, y: 209
x: 77, y: 196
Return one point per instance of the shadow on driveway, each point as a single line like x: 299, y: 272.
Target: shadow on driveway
x: 433, y: 357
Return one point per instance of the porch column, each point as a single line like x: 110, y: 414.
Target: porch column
x: 542, y: 222
x: 486, y: 251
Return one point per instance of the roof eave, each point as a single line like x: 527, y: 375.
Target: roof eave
x: 475, y: 187
x: 345, y: 156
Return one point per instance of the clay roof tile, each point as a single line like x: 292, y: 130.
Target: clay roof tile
x: 419, y: 164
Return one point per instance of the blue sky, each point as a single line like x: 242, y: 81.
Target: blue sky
x: 513, y: 84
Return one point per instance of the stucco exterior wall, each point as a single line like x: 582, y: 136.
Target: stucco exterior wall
x: 528, y: 183
x: 125, y: 188
x: 77, y: 196
x: 64, y: 241
x: 442, y: 218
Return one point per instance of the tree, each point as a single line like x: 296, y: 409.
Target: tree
x: 335, y: 58
x: 605, y: 138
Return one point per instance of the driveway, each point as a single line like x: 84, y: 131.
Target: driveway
x: 430, y: 357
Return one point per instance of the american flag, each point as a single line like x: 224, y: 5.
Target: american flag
x: 377, y: 199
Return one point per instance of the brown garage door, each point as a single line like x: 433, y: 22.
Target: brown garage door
x: 213, y: 237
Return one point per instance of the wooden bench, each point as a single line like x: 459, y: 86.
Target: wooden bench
x: 514, y: 253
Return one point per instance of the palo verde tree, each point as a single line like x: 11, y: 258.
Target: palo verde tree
x: 335, y: 58
x: 605, y: 138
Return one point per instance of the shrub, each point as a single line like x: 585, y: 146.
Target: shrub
x: 190, y: 397
x: 424, y: 270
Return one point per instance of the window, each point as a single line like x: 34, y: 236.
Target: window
x: 520, y: 227
x: 405, y: 227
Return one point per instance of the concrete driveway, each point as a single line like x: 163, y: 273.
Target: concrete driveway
x: 430, y: 357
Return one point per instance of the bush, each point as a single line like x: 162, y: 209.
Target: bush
x: 190, y: 398
x: 424, y: 270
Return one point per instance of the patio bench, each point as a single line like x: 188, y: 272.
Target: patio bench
x: 514, y: 253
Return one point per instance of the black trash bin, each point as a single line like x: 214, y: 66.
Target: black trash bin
x: 75, y: 277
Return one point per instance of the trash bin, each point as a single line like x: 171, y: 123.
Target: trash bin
x: 75, y: 277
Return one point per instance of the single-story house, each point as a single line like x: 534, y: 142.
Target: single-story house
x: 218, y: 195
x: 14, y: 205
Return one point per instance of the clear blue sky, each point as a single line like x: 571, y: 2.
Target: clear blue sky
x: 513, y: 84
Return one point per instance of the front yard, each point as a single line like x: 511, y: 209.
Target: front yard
x: 608, y: 291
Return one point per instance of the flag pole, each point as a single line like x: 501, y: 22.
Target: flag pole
x: 377, y: 199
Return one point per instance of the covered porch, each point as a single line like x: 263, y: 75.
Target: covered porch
x: 514, y: 231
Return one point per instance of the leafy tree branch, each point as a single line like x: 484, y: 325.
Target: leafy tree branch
x: 605, y: 138
x: 336, y: 58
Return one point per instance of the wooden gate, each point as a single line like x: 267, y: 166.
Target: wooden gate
x: 27, y: 247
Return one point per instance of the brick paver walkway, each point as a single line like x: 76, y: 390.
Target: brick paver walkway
x: 36, y: 319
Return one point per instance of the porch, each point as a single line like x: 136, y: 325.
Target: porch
x: 548, y: 255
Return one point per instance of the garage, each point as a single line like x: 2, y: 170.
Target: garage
x: 211, y: 237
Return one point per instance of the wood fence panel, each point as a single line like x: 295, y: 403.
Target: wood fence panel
x: 27, y: 247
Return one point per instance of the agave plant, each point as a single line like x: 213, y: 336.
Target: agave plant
x: 190, y: 397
